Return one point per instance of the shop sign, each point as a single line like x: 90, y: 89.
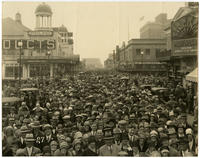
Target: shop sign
x: 40, y: 33
x: 185, y: 47
x: 8, y: 44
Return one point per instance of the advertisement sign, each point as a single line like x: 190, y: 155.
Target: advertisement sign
x: 29, y: 44
x: 40, y: 33
x: 185, y: 47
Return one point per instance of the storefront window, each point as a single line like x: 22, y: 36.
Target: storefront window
x: 12, y: 71
x: 39, y: 70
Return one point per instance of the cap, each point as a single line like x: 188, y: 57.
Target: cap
x: 53, y: 143
x: 153, y: 133
x: 122, y: 122
x: 188, y: 131
x: 64, y: 144
x: 47, y: 126
x: 76, y: 141
x: 117, y: 131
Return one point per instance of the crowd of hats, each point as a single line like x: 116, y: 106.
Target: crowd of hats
x: 94, y: 106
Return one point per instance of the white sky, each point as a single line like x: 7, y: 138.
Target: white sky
x: 97, y: 26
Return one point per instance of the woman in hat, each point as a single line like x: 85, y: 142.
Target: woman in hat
x: 63, y: 150
x: 125, y: 146
x: 77, y: 149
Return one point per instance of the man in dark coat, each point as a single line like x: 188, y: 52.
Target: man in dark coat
x: 91, y: 150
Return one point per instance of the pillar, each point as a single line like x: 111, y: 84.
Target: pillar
x: 42, y: 22
x: 51, y: 70
x: 50, y: 21
x: 28, y: 70
x: 3, y: 71
x: 24, y: 71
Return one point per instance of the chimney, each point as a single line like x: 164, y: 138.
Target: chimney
x: 18, y: 18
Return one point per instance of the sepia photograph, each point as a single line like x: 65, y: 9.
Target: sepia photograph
x: 97, y: 78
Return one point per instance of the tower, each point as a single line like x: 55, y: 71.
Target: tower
x: 18, y: 17
x: 43, y: 17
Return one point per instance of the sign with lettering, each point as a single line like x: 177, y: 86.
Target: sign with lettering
x: 40, y: 33
x: 29, y: 44
x: 185, y: 47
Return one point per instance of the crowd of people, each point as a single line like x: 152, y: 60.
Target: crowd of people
x: 101, y: 114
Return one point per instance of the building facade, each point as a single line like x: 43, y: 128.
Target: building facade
x: 140, y: 55
x: 45, y: 51
x: 155, y: 30
x: 182, y: 57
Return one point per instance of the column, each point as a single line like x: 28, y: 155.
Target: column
x: 3, y: 71
x: 48, y: 21
x: 51, y: 70
x: 28, y: 70
x: 42, y: 22
x: 24, y: 71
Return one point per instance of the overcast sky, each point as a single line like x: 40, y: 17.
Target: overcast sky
x: 97, y: 26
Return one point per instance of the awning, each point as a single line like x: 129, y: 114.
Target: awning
x: 193, y: 76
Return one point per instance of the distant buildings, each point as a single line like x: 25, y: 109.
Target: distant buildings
x: 45, y: 51
x: 92, y: 63
x: 109, y: 62
x: 155, y: 30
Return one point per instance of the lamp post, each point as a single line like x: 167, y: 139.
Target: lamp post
x: 48, y: 54
x: 142, y: 53
x: 20, y: 44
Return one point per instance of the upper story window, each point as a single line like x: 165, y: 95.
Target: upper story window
x: 138, y: 51
x: 147, y: 51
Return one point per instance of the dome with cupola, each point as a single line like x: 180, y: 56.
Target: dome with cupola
x: 43, y: 9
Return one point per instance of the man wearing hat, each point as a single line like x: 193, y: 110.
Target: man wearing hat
x: 125, y: 145
x: 191, y: 140
x: 21, y: 142
x: 109, y: 149
x: 91, y: 150
x: 48, y: 136
x: 30, y: 149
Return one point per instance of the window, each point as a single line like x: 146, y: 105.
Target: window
x: 12, y: 71
x: 147, y: 51
x: 138, y: 51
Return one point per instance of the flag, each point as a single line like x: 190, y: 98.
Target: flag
x: 142, y: 18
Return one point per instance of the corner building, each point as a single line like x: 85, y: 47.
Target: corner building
x: 46, y: 51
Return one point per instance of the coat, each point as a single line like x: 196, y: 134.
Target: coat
x: 35, y: 151
x: 104, y: 150
x: 89, y: 152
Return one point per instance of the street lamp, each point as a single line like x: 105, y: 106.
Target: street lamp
x: 20, y: 44
x: 142, y: 53
x: 48, y: 54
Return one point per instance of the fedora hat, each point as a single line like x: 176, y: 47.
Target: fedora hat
x: 29, y: 137
x: 35, y: 124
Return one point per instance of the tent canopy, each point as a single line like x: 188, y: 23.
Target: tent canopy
x: 193, y: 76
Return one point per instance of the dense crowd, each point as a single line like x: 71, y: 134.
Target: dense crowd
x: 101, y: 114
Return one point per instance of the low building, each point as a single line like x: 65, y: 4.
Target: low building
x: 139, y: 55
x: 45, y: 51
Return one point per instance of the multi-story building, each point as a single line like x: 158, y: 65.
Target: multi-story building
x: 44, y: 51
x: 184, y: 40
x: 155, y: 30
x: 139, y: 55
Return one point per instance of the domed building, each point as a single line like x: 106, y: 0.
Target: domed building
x: 43, y: 16
x: 46, y: 51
